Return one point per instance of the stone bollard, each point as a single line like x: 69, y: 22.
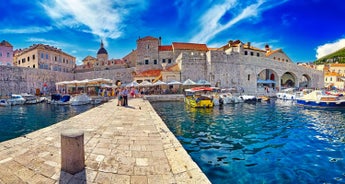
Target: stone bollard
x: 72, y: 151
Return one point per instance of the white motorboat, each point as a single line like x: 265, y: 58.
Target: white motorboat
x: 29, y: 98
x: 16, y: 100
x: 60, y: 100
x: 3, y: 102
x: 250, y: 98
x: 82, y: 99
x: 287, y: 94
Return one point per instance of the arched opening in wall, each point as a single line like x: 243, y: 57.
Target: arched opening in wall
x: 288, y: 80
x: 305, y: 81
x: 266, y: 79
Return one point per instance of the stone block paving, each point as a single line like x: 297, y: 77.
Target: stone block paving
x: 122, y: 145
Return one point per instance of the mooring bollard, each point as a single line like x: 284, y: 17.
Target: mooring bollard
x: 72, y: 151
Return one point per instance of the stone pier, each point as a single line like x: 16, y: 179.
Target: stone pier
x: 122, y: 145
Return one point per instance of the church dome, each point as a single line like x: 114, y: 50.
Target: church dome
x: 102, y: 49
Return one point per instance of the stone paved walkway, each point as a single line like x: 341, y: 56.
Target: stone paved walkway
x: 122, y: 145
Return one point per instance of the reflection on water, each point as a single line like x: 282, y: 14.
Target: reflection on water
x: 262, y: 143
x: 19, y: 120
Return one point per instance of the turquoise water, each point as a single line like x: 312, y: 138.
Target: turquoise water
x: 19, y: 120
x: 261, y: 143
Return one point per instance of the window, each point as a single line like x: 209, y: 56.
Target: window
x: 169, y: 60
x: 245, y: 52
x: 55, y: 58
x: 8, y: 54
x: 33, y: 57
x: 148, y: 46
x: 248, y: 76
x: 42, y: 55
x: 33, y: 66
x: 28, y: 58
x: 155, y: 61
x: 252, y: 53
x: 330, y: 78
x: 258, y: 54
x: 146, y: 61
x: 0, y: 54
x: 163, y: 60
x: 47, y: 56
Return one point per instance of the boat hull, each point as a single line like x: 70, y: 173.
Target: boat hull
x: 207, y: 103
x: 322, y: 103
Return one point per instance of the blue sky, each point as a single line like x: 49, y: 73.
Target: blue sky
x: 304, y: 29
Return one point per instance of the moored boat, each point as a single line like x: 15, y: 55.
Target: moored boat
x: 199, y: 97
x: 29, y: 98
x: 287, y: 94
x: 81, y: 99
x: 3, y: 102
x: 60, y: 99
x: 16, y: 100
x: 320, y: 98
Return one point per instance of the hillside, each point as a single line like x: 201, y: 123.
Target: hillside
x: 337, y: 56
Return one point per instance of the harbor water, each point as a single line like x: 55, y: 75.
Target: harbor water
x: 276, y: 142
x: 19, y: 120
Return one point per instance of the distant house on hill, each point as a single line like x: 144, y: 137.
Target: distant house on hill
x: 6, y: 53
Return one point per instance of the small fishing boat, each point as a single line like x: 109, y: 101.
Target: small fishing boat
x: 3, y: 102
x: 29, y: 98
x: 287, y: 94
x: 81, y: 99
x: 320, y: 98
x: 199, y: 97
x: 250, y: 98
x: 59, y: 99
x: 16, y: 100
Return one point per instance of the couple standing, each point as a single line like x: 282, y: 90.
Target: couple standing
x: 123, y: 97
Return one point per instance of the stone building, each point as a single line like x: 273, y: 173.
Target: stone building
x: 334, y: 75
x: 44, y: 57
x: 236, y: 64
x: 6, y: 53
x: 101, y: 62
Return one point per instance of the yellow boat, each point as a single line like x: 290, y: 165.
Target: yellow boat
x: 198, y: 97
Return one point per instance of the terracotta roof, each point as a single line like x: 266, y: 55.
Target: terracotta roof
x: 45, y: 47
x: 230, y: 44
x: 246, y: 46
x: 332, y: 74
x: 5, y: 43
x: 337, y: 65
x: 274, y: 51
x: 173, y: 68
x: 165, y: 48
x: 149, y: 73
x: 148, y: 38
x: 189, y: 46
x: 89, y: 58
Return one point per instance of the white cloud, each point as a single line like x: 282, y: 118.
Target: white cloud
x: 209, y: 22
x: 329, y: 48
x: 102, y: 18
x: 26, y: 30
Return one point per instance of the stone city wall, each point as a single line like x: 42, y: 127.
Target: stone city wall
x: 15, y: 79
